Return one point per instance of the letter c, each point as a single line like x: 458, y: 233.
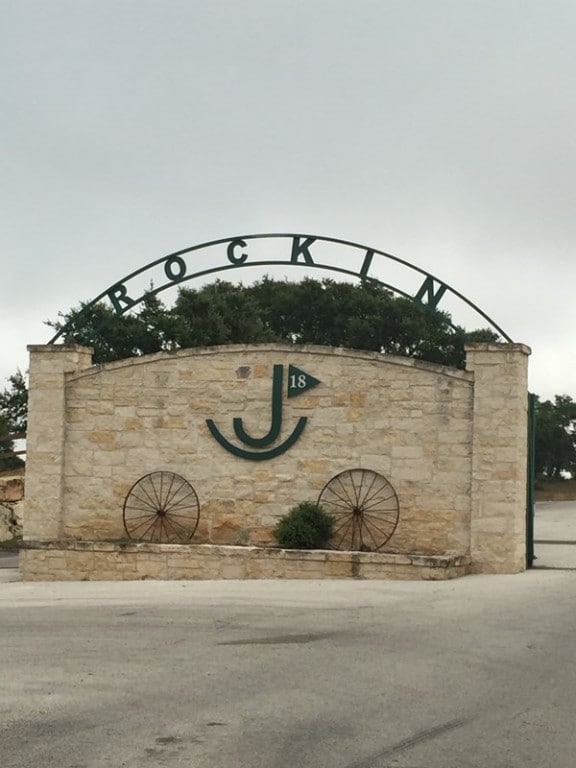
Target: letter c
x: 239, y: 259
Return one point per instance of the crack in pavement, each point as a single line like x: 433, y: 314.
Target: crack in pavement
x: 412, y: 741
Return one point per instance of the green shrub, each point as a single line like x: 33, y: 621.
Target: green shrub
x: 306, y: 526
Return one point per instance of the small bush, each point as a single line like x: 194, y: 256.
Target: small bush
x: 306, y: 526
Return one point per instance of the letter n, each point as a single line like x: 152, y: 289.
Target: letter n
x: 427, y: 290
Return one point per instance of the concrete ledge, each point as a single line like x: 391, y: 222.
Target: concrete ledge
x: 113, y: 561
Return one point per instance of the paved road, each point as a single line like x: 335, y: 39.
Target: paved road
x: 477, y: 672
x: 8, y: 559
x: 473, y: 673
x: 555, y: 534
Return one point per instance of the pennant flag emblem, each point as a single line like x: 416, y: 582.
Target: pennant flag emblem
x: 299, y: 381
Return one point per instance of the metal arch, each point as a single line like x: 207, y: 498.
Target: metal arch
x: 428, y: 284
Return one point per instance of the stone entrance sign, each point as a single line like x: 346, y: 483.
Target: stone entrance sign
x: 256, y: 429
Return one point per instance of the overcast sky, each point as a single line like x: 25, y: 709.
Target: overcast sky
x: 442, y: 132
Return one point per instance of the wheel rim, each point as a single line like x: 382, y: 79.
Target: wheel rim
x: 365, y: 508
x: 161, y: 507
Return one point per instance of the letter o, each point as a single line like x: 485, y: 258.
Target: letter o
x: 241, y: 258
x: 170, y: 271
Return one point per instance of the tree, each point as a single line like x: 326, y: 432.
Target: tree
x: 112, y: 336
x: 363, y: 316
x: 13, y: 412
x: 219, y: 313
x: 7, y: 459
x: 14, y: 403
x: 555, y: 437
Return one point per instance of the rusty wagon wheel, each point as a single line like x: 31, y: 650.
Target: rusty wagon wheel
x: 365, y: 508
x: 161, y: 507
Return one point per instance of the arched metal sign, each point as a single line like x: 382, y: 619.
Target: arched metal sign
x: 276, y: 250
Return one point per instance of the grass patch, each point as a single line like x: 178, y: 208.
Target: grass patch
x: 555, y: 490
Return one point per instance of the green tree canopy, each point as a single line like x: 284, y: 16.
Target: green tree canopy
x: 7, y: 459
x: 14, y: 404
x: 13, y: 411
x: 360, y: 316
x: 555, y: 437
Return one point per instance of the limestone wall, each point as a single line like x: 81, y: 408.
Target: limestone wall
x: 93, y: 431
x: 499, y: 468
x: 89, y: 561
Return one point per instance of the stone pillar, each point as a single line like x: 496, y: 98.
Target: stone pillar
x: 45, y: 436
x: 499, y: 457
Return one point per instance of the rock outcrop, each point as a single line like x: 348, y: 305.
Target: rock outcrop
x: 11, y: 505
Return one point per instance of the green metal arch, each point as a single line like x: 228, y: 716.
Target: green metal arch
x: 430, y: 293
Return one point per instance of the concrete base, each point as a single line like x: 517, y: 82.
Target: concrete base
x: 91, y: 561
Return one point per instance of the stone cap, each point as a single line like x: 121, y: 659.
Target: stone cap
x: 500, y: 347
x: 59, y: 348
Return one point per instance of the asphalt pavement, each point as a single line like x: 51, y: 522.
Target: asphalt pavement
x: 8, y: 560
x: 555, y: 534
x: 469, y: 673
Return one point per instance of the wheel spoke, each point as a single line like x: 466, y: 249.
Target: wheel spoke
x: 145, y: 516
x: 362, y: 476
x: 367, y: 492
x: 176, y: 533
x: 148, y: 502
x: 377, y: 501
x: 354, y: 490
x: 150, y: 519
x: 346, y: 521
x: 144, y: 489
x: 174, y: 518
x: 173, y: 493
x: 188, y: 505
x: 355, y: 533
x: 161, y: 493
x: 155, y: 490
x: 182, y: 501
x: 345, y: 532
x: 382, y: 528
x: 384, y: 514
x: 150, y: 527
x: 159, y: 532
x: 340, y: 508
x: 175, y: 525
x: 166, y: 531
x: 379, y: 489
x: 182, y: 517
x: 379, y: 530
x: 360, y: 529
x: 138, y: 508
x: 382, y: 521
x: 345, y: 490
x: 370, y: 534
x: 344, y: 500
x: 156, y: 534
